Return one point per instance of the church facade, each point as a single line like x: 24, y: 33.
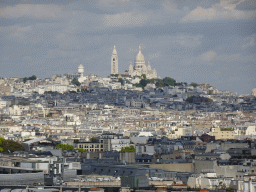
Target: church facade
x: 139, y: 68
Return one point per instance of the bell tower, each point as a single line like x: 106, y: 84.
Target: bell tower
x: 114, y: 62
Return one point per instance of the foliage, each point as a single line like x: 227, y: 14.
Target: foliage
x: 121, y: 81
x: 33, y: 77
x: 65, y: 146
x: 94, y: 140
x: 48, y: 115
x: 114, y: 75
x: 128, y: 149
x: 1, y: 141
x: 81, y: 150
x: 24, y: 103
x: 10, y: 146
x: 76, y: 141
x: 143, y: 82
x: 25, y: 79
x: 230, y: 188
x: 75, y: 82
x: 190, y: 99
x: 193, y: 84
x: 143, y: 76
x: 169, y: 81
x: 210, y: 92
x: 226, y: 129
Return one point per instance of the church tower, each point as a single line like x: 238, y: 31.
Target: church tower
x: 114, y: 62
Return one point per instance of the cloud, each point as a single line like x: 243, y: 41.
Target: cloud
x: 128, y: 18
x: 189, y: 40
x: 208, y: 56
x: 111, y: 2
x: 155, y: 55
x: 223, y: 10
x: 249, y: 41
x: 30, y: 10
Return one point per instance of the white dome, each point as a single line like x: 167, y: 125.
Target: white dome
x: 80, y: 66
x: 139, y: 57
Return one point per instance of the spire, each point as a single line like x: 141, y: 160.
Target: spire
x: 114, y: 50
x: 139, y: 48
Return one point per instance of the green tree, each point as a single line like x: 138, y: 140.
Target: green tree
x: 190, y: 99
x: 143, y: 76
x: 128, y: 149
x: 24, y: 103
x: 75, y: 82
x: 10, y: 146
x: 80, y: 150
x: 94, y: 140
x: 25, y: 79
x: 65, y: 146
x: 1, y: 142
x: 193, y: 84
x: 48, y: 115
x: 33, y: 77
x: 121, y: 81
x: 169, y: 81
x: 159, y: 84
x: 143, y: 82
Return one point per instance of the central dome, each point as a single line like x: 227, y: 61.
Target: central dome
x: 139, y: 57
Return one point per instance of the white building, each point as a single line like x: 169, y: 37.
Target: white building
x: 114, y: 62
x: 140, y: 67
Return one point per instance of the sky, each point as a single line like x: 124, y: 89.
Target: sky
x: 202, y: 41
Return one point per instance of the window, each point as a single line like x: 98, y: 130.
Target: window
x: 114, y: 59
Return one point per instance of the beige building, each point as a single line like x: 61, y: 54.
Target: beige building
x: 5, y: 89
x: 223, y: 133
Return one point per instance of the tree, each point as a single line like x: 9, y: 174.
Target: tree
x: 169, y: 81
x: 121, y: 81
x: 1, y: 141
x: 75, y: 82
x: 25, y: 79
x: 190, y: 99
x: 143, y: 76
x: 193, y: 84
x: 33, y: 77
x: 128, y: 149
x: 48, y: 115
x: 65, y: 146
x: 143, y: 82
x: 80, y: 150
x: 10, y: 146
x: 94, y: 140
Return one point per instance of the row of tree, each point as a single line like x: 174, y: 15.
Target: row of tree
x: 167, y: 81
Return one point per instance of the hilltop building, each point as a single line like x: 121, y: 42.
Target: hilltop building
x: 138, y: 69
